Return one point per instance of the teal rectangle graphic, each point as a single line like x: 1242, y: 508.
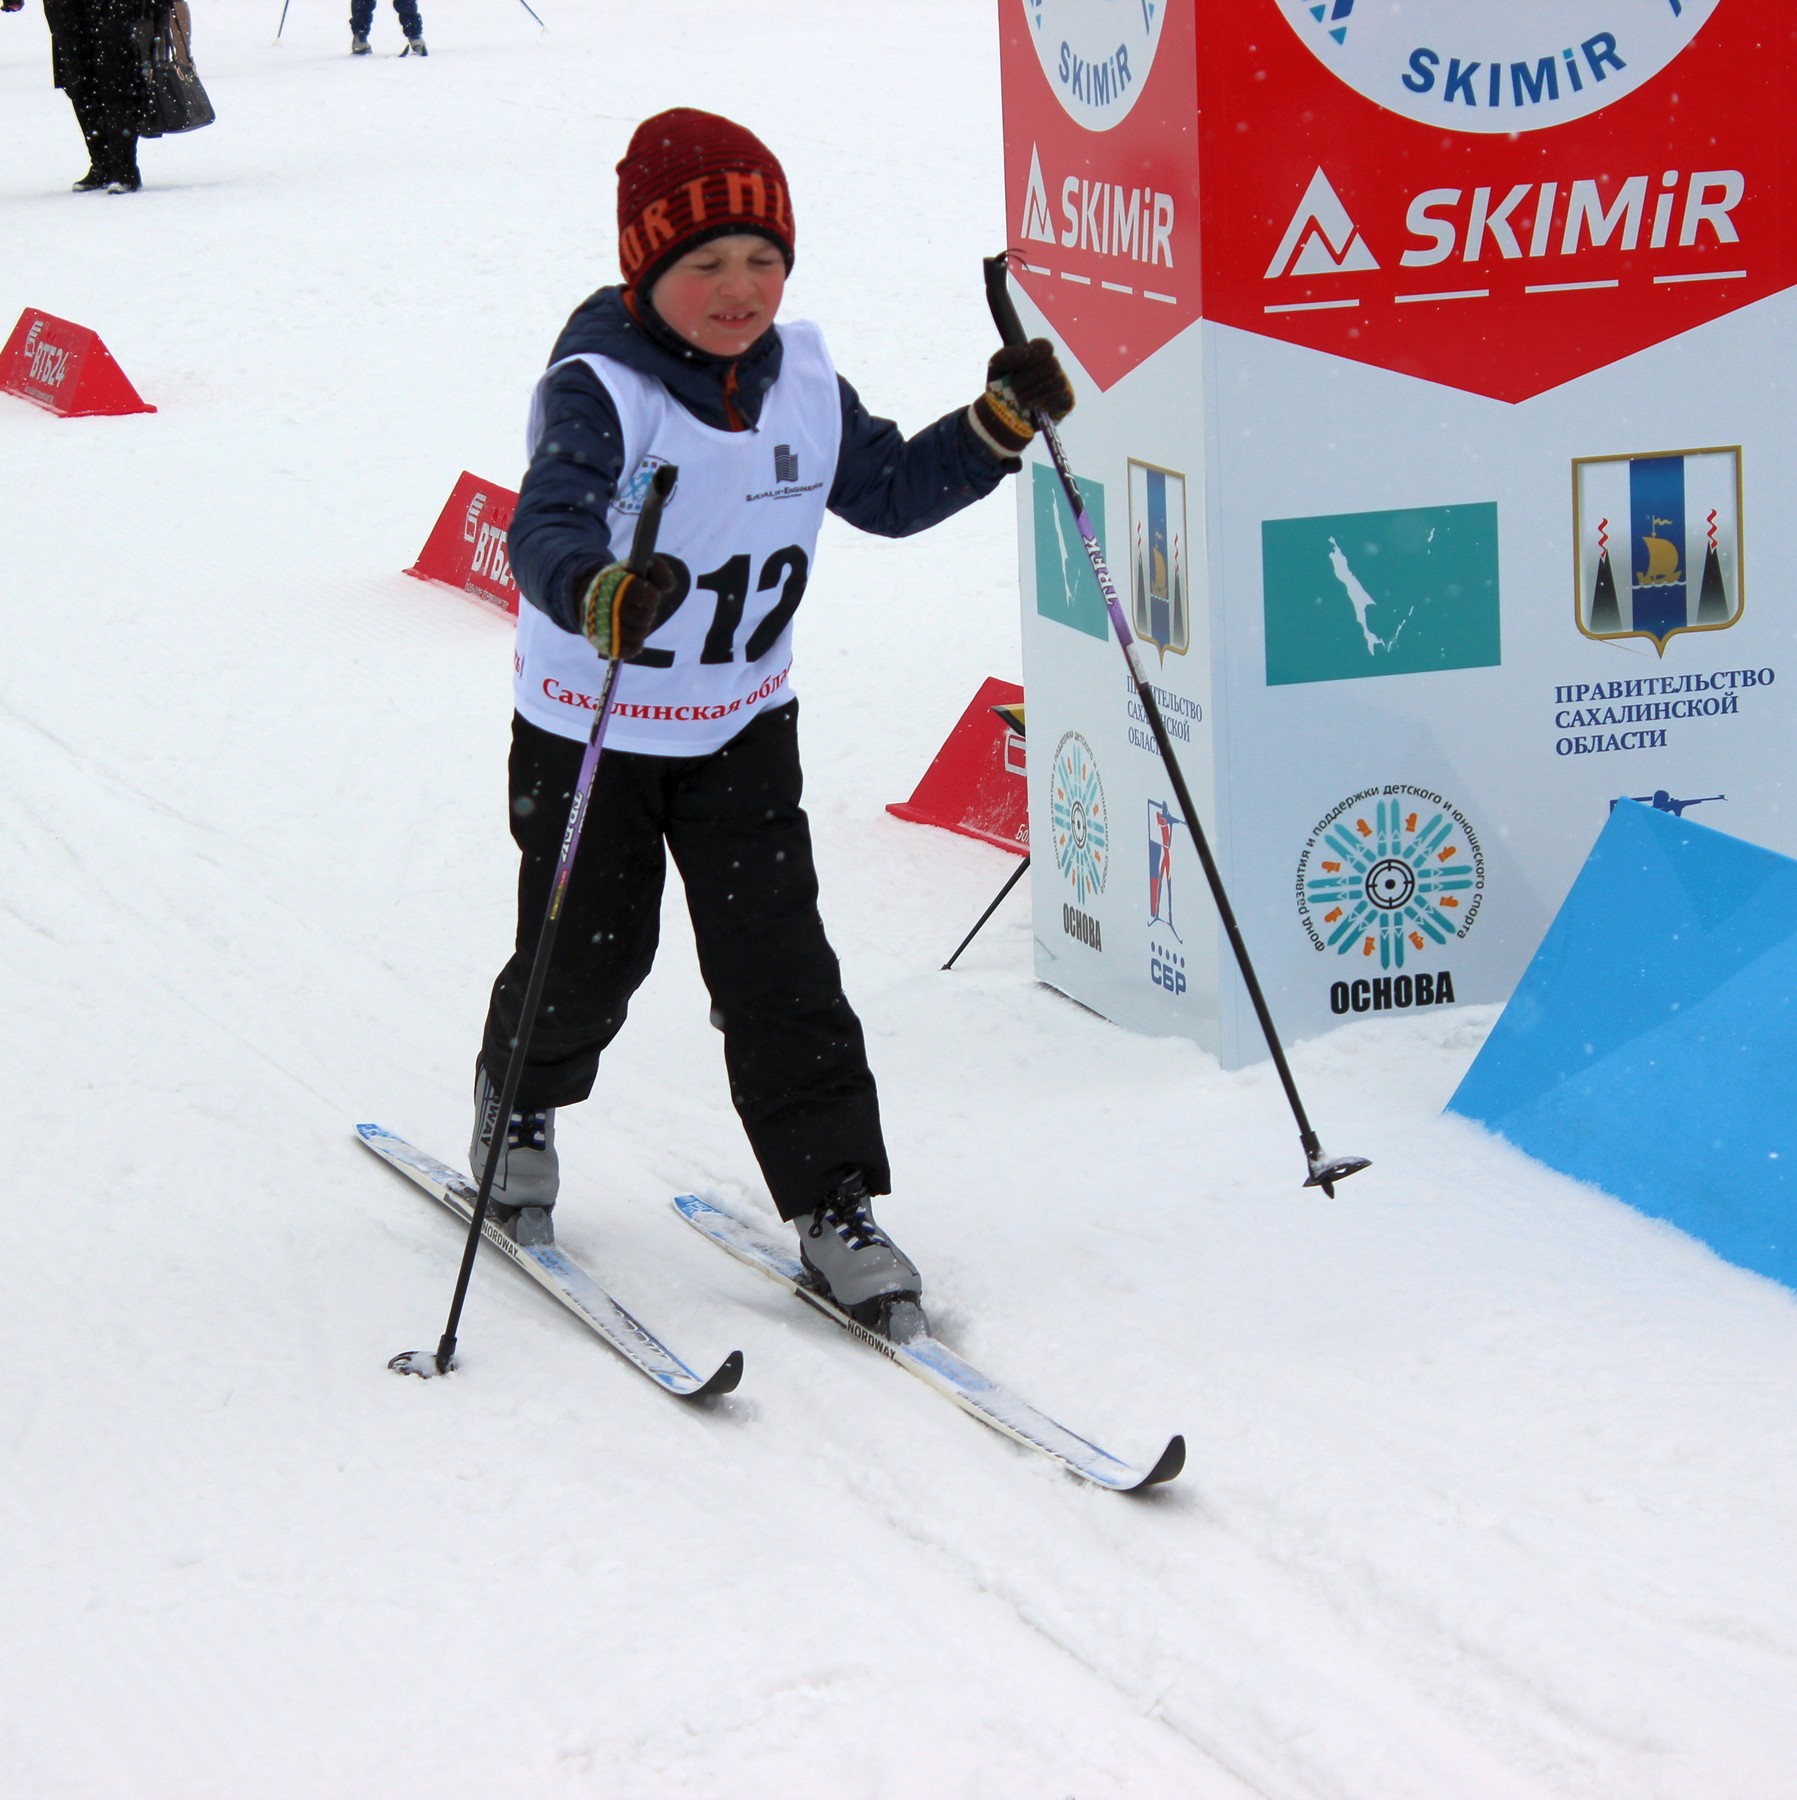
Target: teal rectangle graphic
x: 1410, y: 592
x: 1066, y: 588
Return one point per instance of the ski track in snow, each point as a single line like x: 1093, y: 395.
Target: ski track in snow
x: 1489, y: 1491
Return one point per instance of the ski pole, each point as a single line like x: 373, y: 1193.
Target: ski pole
x: 1325, y: 1170
x: 1011, y: 881
x: 283, y: 24
x: 532, y: 11
x: 642, y: 549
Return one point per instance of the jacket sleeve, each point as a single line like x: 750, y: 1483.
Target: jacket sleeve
x: 892, y: 485
x: 559, y: 539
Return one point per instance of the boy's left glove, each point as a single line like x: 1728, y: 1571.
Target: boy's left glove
x: 617, y: 610
x: 1021, y: 379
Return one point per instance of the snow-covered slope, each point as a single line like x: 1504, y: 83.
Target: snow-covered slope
x: 1491, y: 1491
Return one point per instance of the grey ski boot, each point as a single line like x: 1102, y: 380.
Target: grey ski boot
x: 851, y: 1259
x: 529, y: 1173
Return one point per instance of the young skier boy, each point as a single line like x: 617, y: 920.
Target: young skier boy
x: 684, y: 364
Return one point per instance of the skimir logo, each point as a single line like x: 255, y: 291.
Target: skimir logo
x: 1658, y: 543
x: 1037, y: 223
x: 786, y: 465
x: 1321, y: 239
x: 1411, y: 592
x: 1387, y: 874
x: 1081, y: 834
x: 1096, y: 53
x: 635, y: 491
x: 1496, y: 65
x: 1066, y: 588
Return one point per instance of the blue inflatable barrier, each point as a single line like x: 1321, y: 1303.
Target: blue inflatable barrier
x: 1651, y: 1046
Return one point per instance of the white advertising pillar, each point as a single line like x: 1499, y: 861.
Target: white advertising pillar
x: 1433, y: 360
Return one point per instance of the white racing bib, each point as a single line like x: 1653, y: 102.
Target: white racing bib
x: 740, y: 530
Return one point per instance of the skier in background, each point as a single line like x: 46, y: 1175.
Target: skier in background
x: 683, y: 364
x: 95, y: 62
x: 361, y: 22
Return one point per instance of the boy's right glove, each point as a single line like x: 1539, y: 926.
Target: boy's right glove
x: 617, y: 610
x: 1021, y: 379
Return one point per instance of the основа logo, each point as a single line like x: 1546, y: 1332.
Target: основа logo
x: 1076, y: 809
x: 1388, y: 873
x: 1496, y: 65
x: 1096, y: 53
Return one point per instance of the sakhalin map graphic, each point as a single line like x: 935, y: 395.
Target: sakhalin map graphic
x: 1388, y: 873
x: 1409, y: 592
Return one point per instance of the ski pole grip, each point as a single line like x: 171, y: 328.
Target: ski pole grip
x: 998, y: 297
x: 648, y: 524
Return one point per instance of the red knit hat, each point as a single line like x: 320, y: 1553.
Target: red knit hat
x: 689, y: 176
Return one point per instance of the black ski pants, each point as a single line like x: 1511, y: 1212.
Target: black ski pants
x: 793, y: 1047
x: 97, y: 65
x: 361, y: 17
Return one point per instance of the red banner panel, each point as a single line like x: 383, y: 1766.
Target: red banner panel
x: 1496, y: 197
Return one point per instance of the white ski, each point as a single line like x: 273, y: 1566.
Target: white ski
x: 935, y: 1363
x: 559, y: 1274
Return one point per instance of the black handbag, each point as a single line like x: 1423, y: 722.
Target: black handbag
x: 174, y: 100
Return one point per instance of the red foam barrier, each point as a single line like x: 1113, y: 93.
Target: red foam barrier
x: 976, y: 784
x: 64, y: 368
x: 467, y: 547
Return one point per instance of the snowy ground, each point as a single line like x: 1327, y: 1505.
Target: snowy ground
x: 1491, y: 1491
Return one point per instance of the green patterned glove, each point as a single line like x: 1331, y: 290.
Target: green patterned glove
x: 618, y: 608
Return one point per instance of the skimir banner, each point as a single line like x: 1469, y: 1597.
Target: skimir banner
x: 1424, y: 416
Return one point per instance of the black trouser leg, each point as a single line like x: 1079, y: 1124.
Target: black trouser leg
x: 90, y: 115
x: 118, y: 92
x: 793, y: 1047
x: 610, y: 920
x: 792, y: 1043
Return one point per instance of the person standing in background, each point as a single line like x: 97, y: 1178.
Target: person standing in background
x: 361, y: 22
x: 95, y: 62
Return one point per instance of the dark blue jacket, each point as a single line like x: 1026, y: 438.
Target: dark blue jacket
x: 885, y: 482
